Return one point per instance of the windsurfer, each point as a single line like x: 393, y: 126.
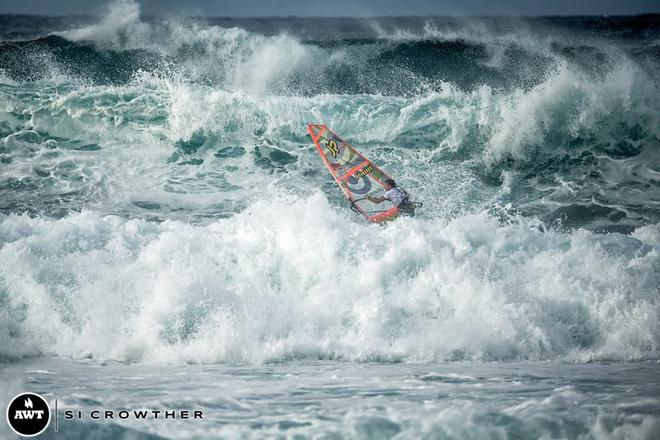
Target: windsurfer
x: 397, y: 196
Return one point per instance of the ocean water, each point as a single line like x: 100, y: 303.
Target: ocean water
x: 169, y: 236
x: 334, y: 400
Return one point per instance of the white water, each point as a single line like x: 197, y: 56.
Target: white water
x: 295, y: 278
x: 151, y: 271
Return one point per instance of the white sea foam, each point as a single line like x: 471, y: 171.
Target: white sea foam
x: 120, y: 27
x: 241, y: 67
x: 292, y: 275
x: 233, y: 57
x: 295, y: 278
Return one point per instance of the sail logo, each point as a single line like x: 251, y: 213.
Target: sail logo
x: 28, y: 414
x: 364, y: 171
x: 333, y: 147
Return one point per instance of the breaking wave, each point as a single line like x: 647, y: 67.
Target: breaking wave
x: 160, y: 201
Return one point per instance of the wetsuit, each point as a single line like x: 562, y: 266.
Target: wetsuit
x: 400, y: 199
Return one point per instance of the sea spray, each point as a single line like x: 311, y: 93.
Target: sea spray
x: 161, y: 201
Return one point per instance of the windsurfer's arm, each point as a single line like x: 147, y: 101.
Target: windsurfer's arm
x: 376, y: 199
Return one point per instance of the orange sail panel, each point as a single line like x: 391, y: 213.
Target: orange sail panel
x: 355, y: 174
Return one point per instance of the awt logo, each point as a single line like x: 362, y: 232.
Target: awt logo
x: 28, y: 414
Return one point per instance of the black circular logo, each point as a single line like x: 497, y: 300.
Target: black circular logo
x: 28, y: 414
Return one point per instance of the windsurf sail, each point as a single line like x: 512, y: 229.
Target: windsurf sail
x: 356, y: 175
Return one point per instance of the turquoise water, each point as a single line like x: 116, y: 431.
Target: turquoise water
x: 164, y: 214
